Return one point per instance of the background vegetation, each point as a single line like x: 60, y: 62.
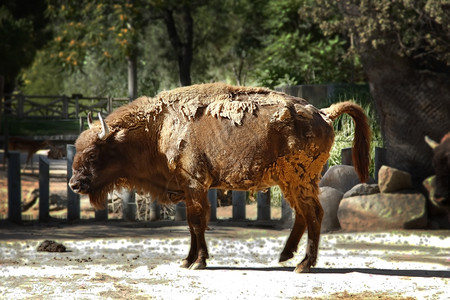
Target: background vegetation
x: 92, y: 47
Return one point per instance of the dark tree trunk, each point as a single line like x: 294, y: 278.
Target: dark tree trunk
x: 411, y: 103
x: 182, y: 45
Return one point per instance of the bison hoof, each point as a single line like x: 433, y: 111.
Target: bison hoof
x: 285, y: 256
x: 198, y: 266
x: 302, y: 269
x: 185, y: 264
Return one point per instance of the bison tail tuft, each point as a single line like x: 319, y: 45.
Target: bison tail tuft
x: 361, y: 141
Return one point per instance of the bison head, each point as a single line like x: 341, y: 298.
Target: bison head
x: 439, y: 185
x: 97, y: 164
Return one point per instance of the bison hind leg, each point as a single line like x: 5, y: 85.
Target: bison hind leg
x: 313, y: 213
x: 308, y: 215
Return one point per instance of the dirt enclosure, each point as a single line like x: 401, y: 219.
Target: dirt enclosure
x: 140, y: 260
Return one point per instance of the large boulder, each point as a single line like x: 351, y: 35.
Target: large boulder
x: 383, y: 212
x: 362, y: 189
x: 330, y: 199
x: 340, y: 177
x: 391, y: 180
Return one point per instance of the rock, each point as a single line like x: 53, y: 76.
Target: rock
x: 341, y: 177
x: 51, y: 246
x: 383, y: 211
x: 330, y: 199
x: 391, y: 180
x: 362, y: 189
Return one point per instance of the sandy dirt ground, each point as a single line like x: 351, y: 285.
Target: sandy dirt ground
x: 120, y: 260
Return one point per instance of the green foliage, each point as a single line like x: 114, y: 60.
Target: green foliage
x: 22, y: 33
x: 110, y: 30
x: 297, y: 52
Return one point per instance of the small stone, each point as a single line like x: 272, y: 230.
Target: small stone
x: 391, y: 180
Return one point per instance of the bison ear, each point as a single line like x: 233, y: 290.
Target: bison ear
x: 89, y: 120
x: 120, y: 136
x: 103, y: 135
x: 431, y: 143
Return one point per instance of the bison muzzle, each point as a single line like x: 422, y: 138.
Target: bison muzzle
x: 183, y: 142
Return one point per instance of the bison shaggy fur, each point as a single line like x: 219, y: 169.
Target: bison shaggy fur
x: 182, y: 142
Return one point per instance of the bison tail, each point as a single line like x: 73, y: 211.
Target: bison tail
x: 361, y: 140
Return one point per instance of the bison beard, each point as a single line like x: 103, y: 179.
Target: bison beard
x: 183, y: 142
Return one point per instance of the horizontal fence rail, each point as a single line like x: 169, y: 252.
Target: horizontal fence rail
x: 63, y: 107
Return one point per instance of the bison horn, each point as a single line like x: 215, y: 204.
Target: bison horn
x: 105, y: 130
x: 89, y: 120
x: 430, y: 142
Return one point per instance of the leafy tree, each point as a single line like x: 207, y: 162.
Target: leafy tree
x: 22, y: 33
x: 101, y: 29
x: 297, y: 51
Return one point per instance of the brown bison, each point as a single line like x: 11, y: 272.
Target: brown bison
x: 183, y: 142
x: 439, y: 184
x: 28, y: 146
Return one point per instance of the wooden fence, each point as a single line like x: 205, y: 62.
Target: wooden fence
x: 73, y: 204
x: 59, y: 107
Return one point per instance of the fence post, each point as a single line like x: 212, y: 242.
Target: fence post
x: 129, y: 205
x: 263, y: 205
x: 102, y: 215
x: 14, y: 188
x: 155, y: 211
x: 73, y: 199
x: 212, y: 197
x: 180, y: 211
x: 44, y: 189
x: 238, y: 200
x: 380, y: 159
x: 346, y: 157
x: 286, y: 211
x: 65, y: 108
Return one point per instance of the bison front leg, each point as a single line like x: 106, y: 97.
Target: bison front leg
x: 197, y: 217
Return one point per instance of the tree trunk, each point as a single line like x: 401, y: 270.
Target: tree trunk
x: 182, y: 45
x: 411, y: 103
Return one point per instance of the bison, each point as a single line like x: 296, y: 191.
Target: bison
x: 183, y: 142
x: 439, y: 184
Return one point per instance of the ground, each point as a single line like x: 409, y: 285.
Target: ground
x: 139, y: 260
